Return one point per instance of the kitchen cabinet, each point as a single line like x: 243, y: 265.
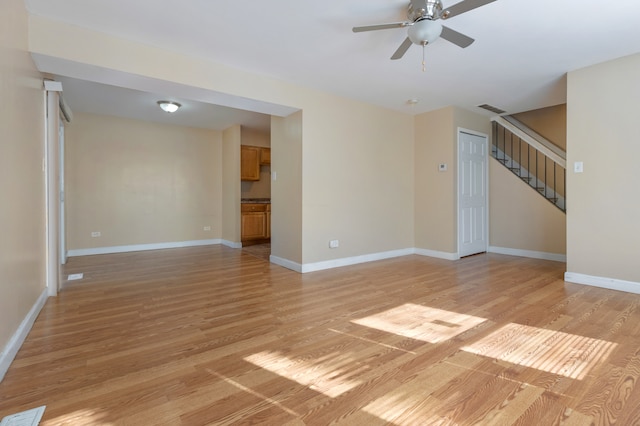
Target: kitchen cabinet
x: 255, y: 222
x: 265, y: 156
x: 249, y: 163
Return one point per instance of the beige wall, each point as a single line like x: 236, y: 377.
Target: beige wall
x: 549, y: 122
x: 22, y: 210
x: 435, y: 192
x: 231, y: 139
x: 603, y: 203
x: 262, y: 187
x: 520, y: 218
x: 141, y: 183
x: 357, y: 179
x: 356, y: 183
x: 286, y: 201
x: 436, y: 139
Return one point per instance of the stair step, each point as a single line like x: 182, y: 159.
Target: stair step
x: 552, y: 199
x: 503, y: 160
x: 526, y: 178
x: 514, y: 169
x: 540, y: 188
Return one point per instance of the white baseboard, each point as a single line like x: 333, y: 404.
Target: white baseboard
x: 528, y: 253
x: 141, y: 247
x: 11, y: 349
x: 437, y: 254
x: 286, y: 263
x: 346, y: 261
x: 231, y: 244
x: 610, y: 283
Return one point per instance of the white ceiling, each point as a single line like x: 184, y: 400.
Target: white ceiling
x: 523, y: 49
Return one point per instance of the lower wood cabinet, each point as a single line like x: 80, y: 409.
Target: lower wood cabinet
x: 255, y: 221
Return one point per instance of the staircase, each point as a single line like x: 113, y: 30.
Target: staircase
x: 539, y: 163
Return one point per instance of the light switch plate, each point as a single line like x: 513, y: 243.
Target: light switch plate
x: 578, y: 167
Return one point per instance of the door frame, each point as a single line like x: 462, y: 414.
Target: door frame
x: 459, y: 131
x: 52, y: 192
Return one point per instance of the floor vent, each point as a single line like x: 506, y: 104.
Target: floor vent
x: 72, y: 277
x: 25, y: 418
x: 491, y: 108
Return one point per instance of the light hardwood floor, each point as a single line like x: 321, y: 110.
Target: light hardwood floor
x: 212, y: 335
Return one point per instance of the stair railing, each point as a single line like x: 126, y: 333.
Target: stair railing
x: 531, y: 157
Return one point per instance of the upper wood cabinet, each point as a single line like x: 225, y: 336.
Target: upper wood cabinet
x: 265, y: 156
x: 249, y: 162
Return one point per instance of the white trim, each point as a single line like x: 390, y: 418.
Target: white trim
x: 231, y: 244
x: 52, y: 202
x: 286, y: 263
x: 610, y: 283
x: 140, y: 247
x: 528, y: 253
x: 437, y: 254
x: 347, y: 261
x: 11, y: 349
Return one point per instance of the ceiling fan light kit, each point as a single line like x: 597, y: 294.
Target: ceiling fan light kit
x: 424, y: 32
x: 424, y: 27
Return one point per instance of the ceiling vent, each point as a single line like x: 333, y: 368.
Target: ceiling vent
x: 491, y: 108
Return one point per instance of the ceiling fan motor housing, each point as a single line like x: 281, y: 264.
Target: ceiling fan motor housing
x: 424, y: 9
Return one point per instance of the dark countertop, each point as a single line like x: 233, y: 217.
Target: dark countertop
x: 256, y: 200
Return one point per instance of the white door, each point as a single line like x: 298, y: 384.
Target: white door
x: 472, y: 193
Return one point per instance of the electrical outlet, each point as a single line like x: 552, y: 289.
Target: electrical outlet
x: 334, y: 243
x: 442, y: 167
x: 207, y: 228
x: 96, y: 234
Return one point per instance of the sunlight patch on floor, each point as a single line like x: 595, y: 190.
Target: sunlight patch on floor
x: 330, y: 374
x: 421, y: 322
x: 79, y: 417
x: 552, y: 351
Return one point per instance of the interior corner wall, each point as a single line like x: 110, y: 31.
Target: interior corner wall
x: 603, y: 205
x: 435, y: 192
x: 286, y: 189
x: 231, y: 139
x: 140, y: 183
x: 22, y: 190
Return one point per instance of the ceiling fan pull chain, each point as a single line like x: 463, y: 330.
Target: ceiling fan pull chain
x: 424, y: 66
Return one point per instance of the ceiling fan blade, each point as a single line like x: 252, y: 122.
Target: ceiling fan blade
x: 464, y: 6
x: 379, y: 27
x: 455, y: 37
x: 406, y: 44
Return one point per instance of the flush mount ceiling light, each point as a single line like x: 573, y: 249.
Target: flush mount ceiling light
x: 169, y: 106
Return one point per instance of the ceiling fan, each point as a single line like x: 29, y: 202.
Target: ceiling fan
x: 424, y: 28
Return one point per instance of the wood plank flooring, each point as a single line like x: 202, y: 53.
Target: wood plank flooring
x: 212, y: 335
